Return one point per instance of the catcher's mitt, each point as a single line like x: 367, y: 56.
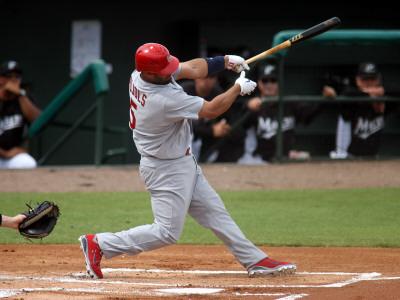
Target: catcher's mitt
x: 39, y: 221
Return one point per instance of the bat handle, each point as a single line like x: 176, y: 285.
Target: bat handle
x: 285, y: 44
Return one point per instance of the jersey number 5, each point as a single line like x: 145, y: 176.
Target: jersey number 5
x: 132, y: 118
x: 140, y: 98
x: 133, y: 108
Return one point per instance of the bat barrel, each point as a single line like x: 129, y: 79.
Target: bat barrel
x: 315, y: 30
x: 309, y: 33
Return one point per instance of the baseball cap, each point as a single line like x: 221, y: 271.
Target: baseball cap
x: 368, y: 70
x: 10, y: 66
x: 268, y: 71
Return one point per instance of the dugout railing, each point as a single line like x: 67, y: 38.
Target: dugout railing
x: 95, y: 73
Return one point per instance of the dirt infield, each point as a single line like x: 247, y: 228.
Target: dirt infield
x: 357, y: 174
x: 35, y: 272
x: 202, y: 272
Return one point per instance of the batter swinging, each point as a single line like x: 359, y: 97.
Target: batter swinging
x: 160, y: 114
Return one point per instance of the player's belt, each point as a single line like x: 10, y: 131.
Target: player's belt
x: 188, y: 152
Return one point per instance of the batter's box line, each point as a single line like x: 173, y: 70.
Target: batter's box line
x: 5, y: 293
x: 286, y: 296
x: 212, y: 272
x: 357, y: 278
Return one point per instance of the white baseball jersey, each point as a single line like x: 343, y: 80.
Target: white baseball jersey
x: 159, y: 117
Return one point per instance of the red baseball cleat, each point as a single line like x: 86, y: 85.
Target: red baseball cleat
x: 93, y: 255
x: 270, y: 267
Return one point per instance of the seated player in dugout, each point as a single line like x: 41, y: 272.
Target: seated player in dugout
x: 265, y: 117
x: 17, y: 110
x: 359, y: 131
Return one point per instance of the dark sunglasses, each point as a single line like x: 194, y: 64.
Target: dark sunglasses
x: 266, y: 80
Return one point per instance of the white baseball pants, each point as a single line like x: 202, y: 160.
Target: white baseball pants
x: 178, y: 186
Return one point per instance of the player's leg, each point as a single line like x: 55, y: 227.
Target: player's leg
x: 171, y: 187
x: 343, y: 139
x: 21, y: 161
x: 208, y: 209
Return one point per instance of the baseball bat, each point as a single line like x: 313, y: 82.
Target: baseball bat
x: 305, y: 35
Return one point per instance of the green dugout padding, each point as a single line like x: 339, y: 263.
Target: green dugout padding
x: 96, y: 70
x: 345, y: 37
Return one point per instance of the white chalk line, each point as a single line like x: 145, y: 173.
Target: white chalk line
x: 189, y: 291
x: 208, y: 272
x: 183, y: 288
x: 73, y: 280
x: 293, y: 297
x: 329, y: 285
x: 359, y: 277
x: 11, y: 292
x: 259, y: 294
x: 4, y: 293
x: 7, y: 293
x: 383, y: 278
x: 286, y: 295
x: 356, y: 279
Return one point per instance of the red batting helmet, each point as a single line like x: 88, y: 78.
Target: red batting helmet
x: 155, y: 58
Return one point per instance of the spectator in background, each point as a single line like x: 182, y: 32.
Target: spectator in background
x: 336, y: 84
x: 359, y: 131
x: 211, y: 133
x: 17, y: 110
x: 265, y: 118
x: 11, y: 222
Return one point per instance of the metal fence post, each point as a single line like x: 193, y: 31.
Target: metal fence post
x: 279, y: 136
x: 98, y: 145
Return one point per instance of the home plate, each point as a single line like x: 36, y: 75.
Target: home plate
x: 190, y: 291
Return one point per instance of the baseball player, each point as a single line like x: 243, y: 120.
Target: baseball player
x: 17, y: 111
x: 160, y: 114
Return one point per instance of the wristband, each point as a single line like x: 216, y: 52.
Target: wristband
x: 22, y: 92
x: 215, y: 64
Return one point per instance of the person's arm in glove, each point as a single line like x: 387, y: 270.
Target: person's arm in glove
x: 203, y: 67
x: 236, y: 63
x: 40, y: 220
x: 11, y: 222
x: 222, y: 102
